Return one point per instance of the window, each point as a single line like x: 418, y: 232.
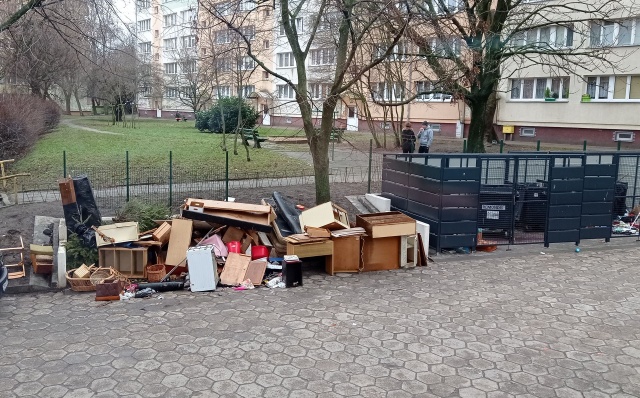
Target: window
x: 249, y: 32
x: 560, y: 36
x: 445, y: 48
x: 223, y: 37
x: 319, y: 90
x: 286, y: 60
x: 529, y: 89
x: 299, y: 27
x: 187, y: 16
x: 189, y: 67
x: 265, y: 75
x: 156, y: 56
x: 624, y: 136
x: 614, y: 87
x: 171, y: 68
x: 170, y: 92
x: 246, y: 63
x: 389, y: 91
x: 247, y: 5
x: 527, y: 132
x: 400, y: 51
x: 266, y: 12
x: 145, y: 47
x: 624, y: 32
x: 246, y: 91
x: 223, y: 64
x: 188, y: 41
x: 285, y: 91
x: 329, y: 21
x: 450, y: 6
x: 323, y: 56
x: 265, y: 44
x: 144, y: 3
x: 170, y: 44
x: 427, y: 91
x: 224, y: 9
x: 221, y: 91
x: 144, y: 25
x: 156, y: 33
x: 155, y: 9
x: 170, y: 20
x: 145, y: 91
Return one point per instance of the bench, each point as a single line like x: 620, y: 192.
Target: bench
x: 252, y: 134
x: 336, y: 135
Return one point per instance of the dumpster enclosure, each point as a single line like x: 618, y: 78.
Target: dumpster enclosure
x: 515, y: 198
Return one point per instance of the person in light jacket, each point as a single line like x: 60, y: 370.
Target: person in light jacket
x: 425, y: 137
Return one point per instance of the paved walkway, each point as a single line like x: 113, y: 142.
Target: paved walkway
x: 69, y: 123
x: 554, y: 325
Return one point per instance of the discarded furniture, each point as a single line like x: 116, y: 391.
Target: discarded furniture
x: 131, y: 262
x: 14, y: 260
x: 41, y: 259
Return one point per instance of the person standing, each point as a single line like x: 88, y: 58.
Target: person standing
x: 425, y: 137
x: 408, y: 139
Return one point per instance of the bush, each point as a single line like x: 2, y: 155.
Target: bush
x: 22, y: 119
x: 211, y: 120
x: 78, y: 254
x: 142, y: 213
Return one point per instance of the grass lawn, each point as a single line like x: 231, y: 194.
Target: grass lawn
x: 148, y: 145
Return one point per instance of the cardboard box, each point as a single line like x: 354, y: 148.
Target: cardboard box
x: 381, y: 254
x: 119, y: 232
x: 382, y: 225
x: 324, y: 248
x: 162, y: 233
x: 326, y: 215
x: 196, y: 206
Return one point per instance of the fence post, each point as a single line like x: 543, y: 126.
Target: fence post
x: 619, y: 145
x: 584, y: 146
x: 170, y: 178
x: 127, y: 175
x: 538, y: 146
x: 64, y: 164
x: 464, y: 146
x: 501, y: 146
x: 226, y: 176
x: 370, y: 156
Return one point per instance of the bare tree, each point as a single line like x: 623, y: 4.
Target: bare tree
x: 308, y: 25
x: 468, y: 46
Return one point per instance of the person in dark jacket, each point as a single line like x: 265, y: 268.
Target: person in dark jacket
x: 408, y: 139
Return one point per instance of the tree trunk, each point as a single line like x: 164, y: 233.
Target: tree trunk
x: 75, y: 93
x: 320, y: 153
x: 492, y: 104
x: 67, y: 103
x: 477, y: 127
x: 94, y: 107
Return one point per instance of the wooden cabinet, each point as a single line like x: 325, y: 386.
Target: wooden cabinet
x: 346, y: 255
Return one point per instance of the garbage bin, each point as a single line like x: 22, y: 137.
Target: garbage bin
x: 531, y: 214
x: 495, y: 207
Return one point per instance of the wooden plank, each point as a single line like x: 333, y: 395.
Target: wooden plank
x: 424, y: 259
x: 346, y: 256
x: 315, y: 232
x: 324, y: 248
x: 179, y: 241
x: 162, y: 233
x: 235, y: 269
x: 232, y: 234
x: 67, y: 191
x: 380, y: 254
x: 231, y: 206
x: 255, y: 272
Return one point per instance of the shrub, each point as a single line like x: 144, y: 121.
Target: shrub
x: 22, y: 119
x: 211, y: 120
x: 77, y: 254
x: 142, y: 213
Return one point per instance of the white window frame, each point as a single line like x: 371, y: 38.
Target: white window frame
x: 144, y: 3
x: 533, y: 37
x: 145, y: 91
x: 329, y: 21
x: 319, y: 90
x: 285, y: 91
x: 247, y: 5
x: 187, y: 16
x: 170, y: 20
x: 189, y: 41
x: 171, y: 68
x: 453, y: 6
x: 223, y: 36
x: 616, y: 25
x: 391, y: 91
x: 144, y: 25
x: 527, y: 132
x: 223, y: 64
x: 170, y: 44
x: 224, y: 8
x: 624, y: 136
x: 171, y: 92
x: 425, y: 85
x: 246, y: 63
x: 323, y: 56
x: 145, y: 47
x: 248, y: 31
x: 245, y: 91
x: 299, y: 27
x: 189, y: 67
x: 536, y: 81
x: 609, y: 81
x: 221, y: 91
x: 285, y: 60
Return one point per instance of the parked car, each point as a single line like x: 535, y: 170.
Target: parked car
x: 4, y: 277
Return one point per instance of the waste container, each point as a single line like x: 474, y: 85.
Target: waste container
x: 531, y: 211
x: 495, y: 207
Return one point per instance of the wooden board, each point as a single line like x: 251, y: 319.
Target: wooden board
x: 326, y: 215
x: 382, y: 225
x: 67, y: 191
x: 315, y: 232
x: 162, y: 233
x: 422, y: 255
x: 231, y: 206
x: 235, y: 269
x: 255, y: 272
x: 119, y: 232
x: 179, y: 241
x: 311, y: 249
x: 346, y: 256
x: 380, y: 254
x: 232, y: 234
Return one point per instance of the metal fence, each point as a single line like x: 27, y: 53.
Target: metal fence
x: 170, y: 183
x: 516, y: 198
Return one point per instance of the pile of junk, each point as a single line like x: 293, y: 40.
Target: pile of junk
x: 241, y: 246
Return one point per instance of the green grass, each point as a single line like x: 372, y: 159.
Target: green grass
x: 148, y: 145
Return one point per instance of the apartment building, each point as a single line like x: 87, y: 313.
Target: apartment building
x: 167, y: 45
x: 599, y: 102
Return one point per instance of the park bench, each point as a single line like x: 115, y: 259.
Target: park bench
x: 252, y: 134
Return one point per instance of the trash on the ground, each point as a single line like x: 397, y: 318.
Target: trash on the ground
x: 242, y: 215
x: 41, y: 258
x: 292, y: 271
x: 203, y: 272
x: 116, y: 233
x: 327, y: 215
x: 235, y: 269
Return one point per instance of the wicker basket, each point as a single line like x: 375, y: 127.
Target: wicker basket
x: 100, y: 274
x: 156, y: 272
x: 80, y: 284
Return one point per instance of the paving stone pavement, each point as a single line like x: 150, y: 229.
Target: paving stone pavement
x: 559, y: 325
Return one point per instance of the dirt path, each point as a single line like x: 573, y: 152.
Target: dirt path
x: 77, y: 126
